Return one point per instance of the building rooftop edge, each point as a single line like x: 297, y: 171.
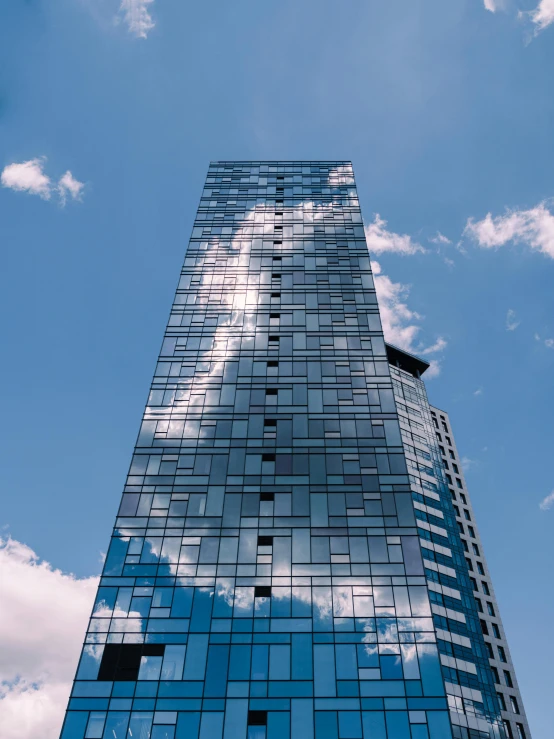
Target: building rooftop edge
x: 406, y: 361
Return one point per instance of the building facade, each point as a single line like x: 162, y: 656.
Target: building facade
x: 280, y: 566
x: 479, y: 674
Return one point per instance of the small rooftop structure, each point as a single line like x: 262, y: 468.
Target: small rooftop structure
x: 406, y: 361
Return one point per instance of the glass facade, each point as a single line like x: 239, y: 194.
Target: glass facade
x: 471, y: 642
x: 265, y: 577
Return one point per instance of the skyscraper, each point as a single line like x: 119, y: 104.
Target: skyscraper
x: 286, y: 562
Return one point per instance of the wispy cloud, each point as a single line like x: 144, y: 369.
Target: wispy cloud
x: 380, y: 240
x: 137, y: 17
x: 44, y: 613
x: 31, y: 178
x: 440, y: 239
x: 490, y: 5
x: 28, y: 177
x: 68, y: 185
x: 511, y: 321
x: 468, y: 463
x: 478, y: 392
x: 401, y: 323
x: 549, y: 343
x: 541, y: 17
x: 547, y: 503
x: 533, y: 228
x: 439, y: 346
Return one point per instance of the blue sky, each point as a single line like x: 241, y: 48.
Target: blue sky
x: 445, y: 109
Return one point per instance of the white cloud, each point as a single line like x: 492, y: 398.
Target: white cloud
x: 440, y: 239
x: 137, y: 17
x: 380, y: 240
x: 28, y: 177
x: 67, y: 184
x: 533, y: 228
x: 44, y: 615
x: 547, y: 502
x: 511, y: 322
x: 479, y: 391
x: 399, y: 321
x: 542, y: 16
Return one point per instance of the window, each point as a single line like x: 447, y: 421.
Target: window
x: 521, y: 731
x: 475, y: 549
x: 490, y: 609
x: 495, y: 630
x: 466, y: 514
x: 441, y: 449
x: 449, y: 479
x: 456, y: 510
x: 455, y: 468
x: 479, y: 605
x: 458, y: 482
x: 445, y: 427
x: 502, y: 654
x: 489, y: 649
x: 495, y: 675
x: 485, y: 585
x: 480, y: 568
x: 502, y: 702
x: 471, y: 531
x: 508, y: 679
x: 463, y: 498
x: 448, y: 440
x: 513, y: 701
x: 474, y: 584
x: 451, y: 454
x: 485, y: 630
x: 125, y: 661
x: 508, y: 728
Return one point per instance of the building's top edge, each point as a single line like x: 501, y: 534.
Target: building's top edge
x: 281, y: 161
x: 436, y: 408
x: 406, y: 361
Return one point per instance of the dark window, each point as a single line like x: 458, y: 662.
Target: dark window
x: 122, y: 661
x: 265, y: 541
x: 267, y: 457
x: 262, y: 591
x: 484, y: 628
x: 508, y: 679
x: 495, y: 630
x: 257, y: 718
x: 501, y: 701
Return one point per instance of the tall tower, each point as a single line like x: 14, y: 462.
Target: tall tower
x: 265, y: 577
x: 478, y: 671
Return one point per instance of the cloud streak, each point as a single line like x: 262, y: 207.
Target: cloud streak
x: 533, y: 228
x: 43, y: 615
x: 547, y: 503
x: 511, y: 321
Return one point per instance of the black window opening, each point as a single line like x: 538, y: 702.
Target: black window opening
x: 275, y: 276
x: 271, y: 391
x: 276, y: 295
x: 274, y: 339
x: 262, y: 591
x: 267, y: 457
x: 265, y: 541
x: 273, y: 363
x: 121, y: 662
x: 257, y: 718
x: 270, y: 422
x: 275, y: 315
x: 267, y: 496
